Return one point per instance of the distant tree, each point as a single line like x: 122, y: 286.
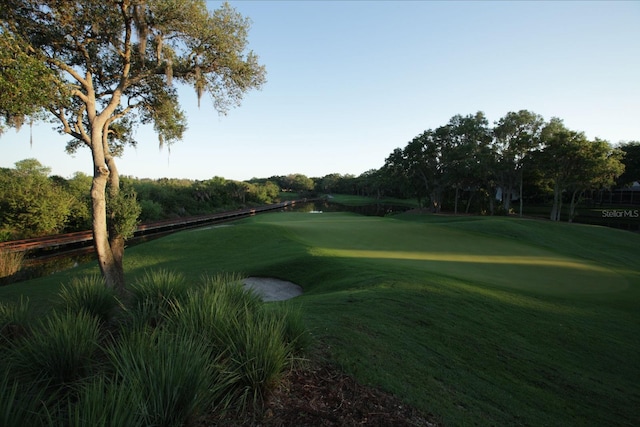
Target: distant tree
x: 238, y: 190
x: 600, y: 166
x: 631, y: 162
x: 468, y: 155
x: 396, y: 177
x: 113, y: 63
x: 516, y: 136
x: 78, y: 187
x: 425, y: 163
x: 31, y: 204
x: 370, y: 183
x: 298, y: 182
x: 268, y: 192
x: 328, y: 183
x: 573, y: 163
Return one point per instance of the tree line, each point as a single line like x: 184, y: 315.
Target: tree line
x: 34, y: 203
x: 469, y: 166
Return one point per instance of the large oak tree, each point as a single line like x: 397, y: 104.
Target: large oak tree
x: 516, y: 136
x: 573, y: 164
x: 114, y: 64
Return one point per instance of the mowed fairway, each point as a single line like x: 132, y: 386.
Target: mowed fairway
x: 476, y: 320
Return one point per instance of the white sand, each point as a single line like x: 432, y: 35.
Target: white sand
x: 272, y: 289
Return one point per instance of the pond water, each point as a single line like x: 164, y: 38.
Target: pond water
x: 375, y: 209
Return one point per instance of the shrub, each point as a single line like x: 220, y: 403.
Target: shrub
x: 209, y: 311
x: 154, y: 295
x: 257, y: 354
x: 172, y: 377
x: 295, y: 331
x: 89, y: 294
x: 19, y: 404
x: 250, y: 339
x: 193, y: 348
x: 59, y: 350
x: 102, y: 402
x: 14, y: 320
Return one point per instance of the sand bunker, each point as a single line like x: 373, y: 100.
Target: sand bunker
x: 272, y: 289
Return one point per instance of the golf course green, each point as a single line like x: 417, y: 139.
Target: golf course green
x: 474, y: 320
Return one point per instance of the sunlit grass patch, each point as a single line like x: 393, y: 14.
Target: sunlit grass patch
x: 540, y: 273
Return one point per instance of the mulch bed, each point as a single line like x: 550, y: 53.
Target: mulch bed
x: 322, y: 396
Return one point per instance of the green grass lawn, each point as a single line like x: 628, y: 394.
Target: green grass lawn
x: 477, y: 320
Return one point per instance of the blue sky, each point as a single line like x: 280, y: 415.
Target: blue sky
x: 348, y: 82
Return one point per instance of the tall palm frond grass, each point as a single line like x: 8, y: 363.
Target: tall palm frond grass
x: 10, y: 262
x: 170, y: 353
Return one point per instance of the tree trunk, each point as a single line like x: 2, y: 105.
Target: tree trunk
x: 109, y: 248
x: 506, y: 197
x: 572, y: 207
x: 471, y: 194
x: 436, y: 204
x: 557, y: 203
x: 116, y: 240
x: 101, y: 241
x: 492, y: 204
x: 520, y: 195
x: 455, y: 208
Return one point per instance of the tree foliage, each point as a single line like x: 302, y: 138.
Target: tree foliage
x: 631, y: 159
x: 31, y: 204
x: 516, y: 135
x: 27, y: 85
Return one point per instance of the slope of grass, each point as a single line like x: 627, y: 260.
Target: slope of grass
x: 480, y: 321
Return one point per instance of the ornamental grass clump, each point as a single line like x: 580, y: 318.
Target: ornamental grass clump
x: 295, y: 331
x: 20, y: 404
x: 173, y: 377
x: 209, y: 310
x: 250, y: 339
x: 178, y: 352
x: 10, y: 262
x: 14, y: 321
x: 89, y: 294
x: 101, y: 401
x: 154, y: 295
x: 258, y: 354
x: 59, y: 350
